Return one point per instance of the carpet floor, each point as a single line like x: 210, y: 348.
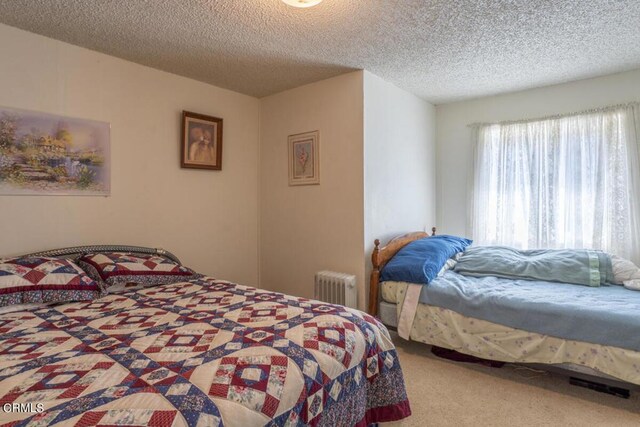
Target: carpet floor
x: 444, y: 393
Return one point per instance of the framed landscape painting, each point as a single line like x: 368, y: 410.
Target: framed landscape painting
x: 47, y: 154
x: 304, y: 158
x: 201, y: 145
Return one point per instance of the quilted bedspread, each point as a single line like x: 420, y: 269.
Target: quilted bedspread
x: 200, y: 353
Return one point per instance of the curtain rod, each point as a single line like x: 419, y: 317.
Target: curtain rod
x: 560, y: 116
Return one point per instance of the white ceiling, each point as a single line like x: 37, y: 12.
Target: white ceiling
x: 441, y: 50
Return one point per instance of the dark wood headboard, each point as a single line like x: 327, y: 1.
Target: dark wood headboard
x: 382, y: 255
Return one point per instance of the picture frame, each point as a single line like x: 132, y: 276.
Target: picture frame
x: 304, y: 158
x: 201, y: 142
x: 44, y: 154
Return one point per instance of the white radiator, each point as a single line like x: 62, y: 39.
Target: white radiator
x: 336, y: 288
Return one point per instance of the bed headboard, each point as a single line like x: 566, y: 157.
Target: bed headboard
x: 382, y: 255
x: 77, y: 251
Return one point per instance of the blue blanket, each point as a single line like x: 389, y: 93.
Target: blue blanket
x: 575, y: 266
x: 607, y: 315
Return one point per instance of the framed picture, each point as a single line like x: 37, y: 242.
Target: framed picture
x: 201, y: 146
x: 304, y: 159
x: 49, y: 154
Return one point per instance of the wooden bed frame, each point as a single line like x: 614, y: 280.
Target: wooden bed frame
x: 382, y: 255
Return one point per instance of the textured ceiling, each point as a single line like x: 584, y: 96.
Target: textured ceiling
x: 441, y: 50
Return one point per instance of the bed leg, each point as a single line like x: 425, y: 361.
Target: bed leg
x: 374, y: 280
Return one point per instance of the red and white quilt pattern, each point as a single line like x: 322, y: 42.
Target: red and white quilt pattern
x: 42, y: 279
x: 125, y: 264
x: 198, y: 353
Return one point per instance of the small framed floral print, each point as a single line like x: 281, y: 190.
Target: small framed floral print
x: 304, y: 159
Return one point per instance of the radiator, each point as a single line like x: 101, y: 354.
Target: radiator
x: 336, y: 288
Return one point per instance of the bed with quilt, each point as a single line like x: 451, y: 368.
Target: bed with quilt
x: 577, y: 309
x: 119, y: 335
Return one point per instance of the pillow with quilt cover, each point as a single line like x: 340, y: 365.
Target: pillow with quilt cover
x: 43, y: 280
x: 119, y: 267
x: 421, y: 260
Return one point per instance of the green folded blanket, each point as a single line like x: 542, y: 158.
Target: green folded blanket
x: 576, y: 266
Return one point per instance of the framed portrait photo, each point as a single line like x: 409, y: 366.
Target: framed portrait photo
x: 304, y: 158
x: 201, y: 146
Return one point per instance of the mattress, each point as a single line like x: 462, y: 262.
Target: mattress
x: 200, y: 353
x: 574, y: 312
x: 446, y: 328
x: 389, y: 291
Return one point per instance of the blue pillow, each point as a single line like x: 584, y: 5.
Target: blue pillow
x: 420, y: 261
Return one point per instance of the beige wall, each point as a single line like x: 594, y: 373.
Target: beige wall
x: 306, y: 229
x: 399, y: 163
x: 207, y: 218
x: 454, y: 147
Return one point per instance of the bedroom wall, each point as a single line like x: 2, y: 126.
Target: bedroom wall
x: 305, y: 229
x: 208, y: 218
x: 454, y: 146
x: 399, y: 163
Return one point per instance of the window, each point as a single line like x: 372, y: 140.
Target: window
x: 562, y: 182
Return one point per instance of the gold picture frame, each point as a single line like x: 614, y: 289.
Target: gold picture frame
x: 304, y: 158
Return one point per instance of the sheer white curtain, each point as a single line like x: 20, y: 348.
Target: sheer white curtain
x: 562, y: 182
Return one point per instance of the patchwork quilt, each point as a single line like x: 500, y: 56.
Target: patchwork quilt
x: 200, y: 353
